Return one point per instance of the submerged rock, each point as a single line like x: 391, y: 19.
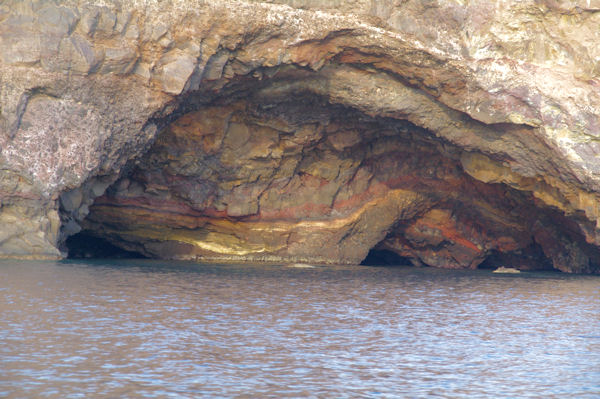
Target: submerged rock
x: 444, y: 132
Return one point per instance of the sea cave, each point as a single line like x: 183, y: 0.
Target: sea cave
x: 297, y: 136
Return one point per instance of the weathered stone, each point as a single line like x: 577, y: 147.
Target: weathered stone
x: 123, y: 20
x: 32, y: 236
x: 89, y: 21
x: 132, y: 32
x: 99, y: 186
x: 143, y: 70
x: 85, y: 57
x: 215, y: 65
x: 451, y: 133
x: 107, y: 21
x: 56, y: 20
x: 119, y: 60
x: 20, y: 42
x: 176, y: 71
x: 75, y: 54
x: 158, y: 31
x: 71, y: 200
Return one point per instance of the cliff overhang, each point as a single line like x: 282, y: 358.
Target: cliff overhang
x: 246, y: 131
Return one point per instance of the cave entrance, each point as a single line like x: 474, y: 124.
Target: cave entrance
x: 530, y: 258
x: 279, y: 154
x: 85, y: 245
x: 384, y: 257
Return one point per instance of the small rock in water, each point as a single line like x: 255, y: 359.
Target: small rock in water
x: 503, y: 269
x: 302, y: 265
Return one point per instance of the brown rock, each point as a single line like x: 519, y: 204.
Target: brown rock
x: 454, y: 134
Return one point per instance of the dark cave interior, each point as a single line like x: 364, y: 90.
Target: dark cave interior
x: 85, y: 245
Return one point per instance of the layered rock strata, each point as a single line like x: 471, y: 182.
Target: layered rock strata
x: 454, y: 134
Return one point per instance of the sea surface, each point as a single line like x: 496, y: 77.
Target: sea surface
x: 137, y: 328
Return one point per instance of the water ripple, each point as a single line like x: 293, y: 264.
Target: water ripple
x: 152, y: 329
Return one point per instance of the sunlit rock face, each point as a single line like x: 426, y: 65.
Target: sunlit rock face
x: 453, y: 134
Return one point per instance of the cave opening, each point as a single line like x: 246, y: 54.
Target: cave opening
x: 250, y: 154
x: 85, y: 245
x: 384, y: 257
x: 531, y: 258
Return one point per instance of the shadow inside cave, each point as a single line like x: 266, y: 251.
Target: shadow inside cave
x: 84, y: 245
x: 531, y: 258
x: 384, y: 257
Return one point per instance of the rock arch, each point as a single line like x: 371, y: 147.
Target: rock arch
x: 297, y: 135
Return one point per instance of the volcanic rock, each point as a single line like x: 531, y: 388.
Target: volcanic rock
x: 453, y: 134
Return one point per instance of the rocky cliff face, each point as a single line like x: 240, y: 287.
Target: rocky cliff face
x: 452, y: 133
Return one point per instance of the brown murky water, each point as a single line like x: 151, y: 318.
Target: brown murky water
x: 153, y: 329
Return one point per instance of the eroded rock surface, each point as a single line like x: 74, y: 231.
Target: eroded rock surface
x: 454, y: 134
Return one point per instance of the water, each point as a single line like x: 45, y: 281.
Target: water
x: 154, y: 329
